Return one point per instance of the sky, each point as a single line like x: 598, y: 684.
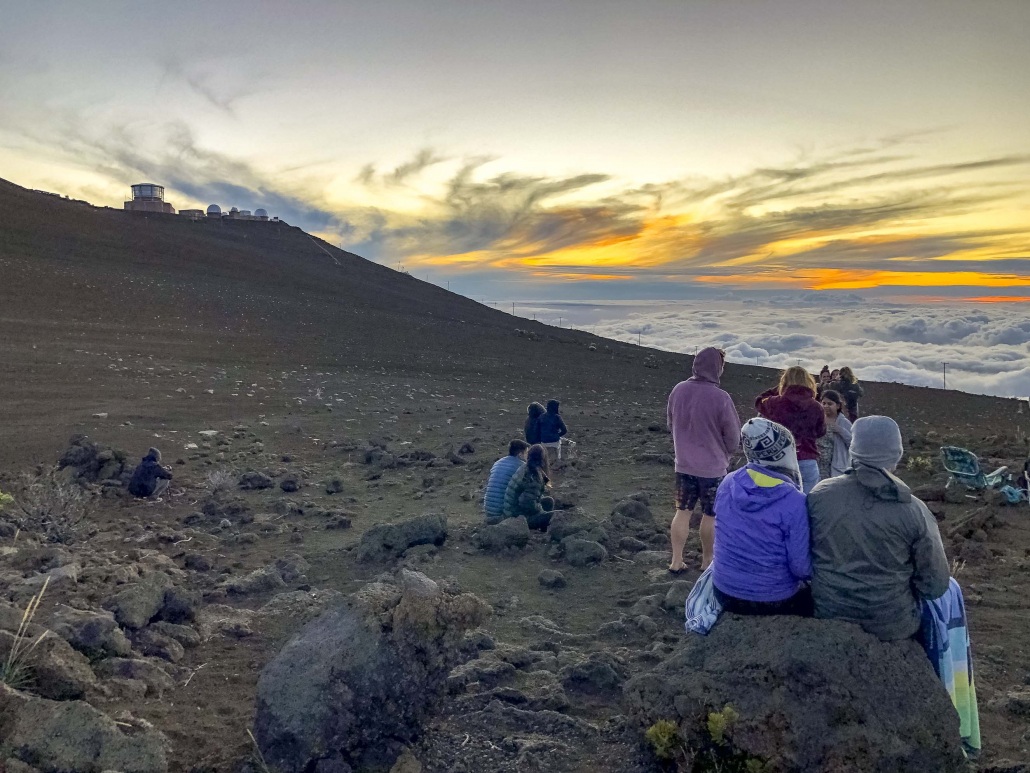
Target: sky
x: 586, y: 150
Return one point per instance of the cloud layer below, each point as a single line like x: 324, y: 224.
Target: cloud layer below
x: 986, y: 347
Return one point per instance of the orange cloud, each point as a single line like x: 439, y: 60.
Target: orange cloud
x: 841, y: 279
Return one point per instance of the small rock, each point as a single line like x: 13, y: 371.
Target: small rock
x: 290, y: 483
x: 334, y: 486
x: 632, y: 545
x: 511, y: 533
x: 581, y: 552
x: 138, y: 604
x: 95, y: 634
x: 252, y: 481
x: 198, y: 562
x: 550, y: 578
x: 676, y: 597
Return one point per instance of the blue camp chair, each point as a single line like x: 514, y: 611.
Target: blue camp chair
x: 965, y: 469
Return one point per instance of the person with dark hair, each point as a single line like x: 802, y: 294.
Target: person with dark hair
x: 876, y: 549
x: 823, y: 382
x: 552, y: 429
x: 833, y: 446
x: 525, y: 494
x: 532, y: 429
x: 500, y: 475
x: 793, y: 405
x: 850, y: 390
x: 705, y: 430
x: 761, y: 560
x: 149, y: 480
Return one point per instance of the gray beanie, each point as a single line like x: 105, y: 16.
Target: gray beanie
x: 876, y: 442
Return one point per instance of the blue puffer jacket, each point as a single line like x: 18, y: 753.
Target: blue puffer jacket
x: 552, y: 428
x: 761, y: 536
x: 500, y: 474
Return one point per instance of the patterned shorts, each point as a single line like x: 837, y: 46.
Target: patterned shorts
x: 691, y: 489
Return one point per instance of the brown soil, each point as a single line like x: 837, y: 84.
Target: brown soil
x: 168, y: 327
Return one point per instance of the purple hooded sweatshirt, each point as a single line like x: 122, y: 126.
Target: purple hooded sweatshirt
x: 761, y: 536
x: 703, y: 420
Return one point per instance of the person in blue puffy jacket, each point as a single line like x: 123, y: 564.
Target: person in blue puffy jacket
x: 500, y: 474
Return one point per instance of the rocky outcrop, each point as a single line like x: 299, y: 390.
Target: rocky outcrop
x: 389, y: 540
x: 87, y: 462
x: 358, y: 681
x: 812, y: 695
x: 57, y: 737
x: 509, y: 534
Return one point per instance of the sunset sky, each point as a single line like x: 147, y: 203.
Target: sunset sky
x: 559, y: 150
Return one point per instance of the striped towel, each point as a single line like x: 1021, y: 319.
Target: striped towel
x: 702, y: 608
x: 946, y: 641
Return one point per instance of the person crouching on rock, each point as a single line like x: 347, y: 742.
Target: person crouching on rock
x: 762, y: 561
x: 500, y: 476
x: 876, y: 549
x: 526, y: 489
x: 552, y: 429
x: 705, y: 430
x: 150, y: 479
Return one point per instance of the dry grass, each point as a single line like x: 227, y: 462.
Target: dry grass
x: 220, y: 482
x: 16, y: 671
x: 50, y: 508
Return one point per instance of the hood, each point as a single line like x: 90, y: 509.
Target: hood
x: 798, y: 394
x: 708, y: 365
x: 882, y: 484
x: 153, y: 455
x: 535, y: 409
x: 552, y: 406
x: 755, y: 488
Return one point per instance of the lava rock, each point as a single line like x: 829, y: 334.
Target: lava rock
x: 138, y: 604
x: 389, y: 540
x: 550, y: 578
x: 581, y: 552
x: 509, y: 534
x: 291, y: 483
x: 95, y: 634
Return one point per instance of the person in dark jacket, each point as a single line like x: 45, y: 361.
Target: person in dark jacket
x: 793, y: 405
x: 532, y: 430
x: 552, y: 429
x: 849, y: 389
x: 500, y: 476
x: 526, y: 489
x: 150, y: 479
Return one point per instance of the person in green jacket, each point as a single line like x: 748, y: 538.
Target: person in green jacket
x: 525, y: 495
x: 876, y: 549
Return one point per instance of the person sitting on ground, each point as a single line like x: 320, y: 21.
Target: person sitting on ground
x: 834, y: 445
x: 762, y: 562
x: 552, y: 429
x: 149, y: 480
x: 876, y: 549
x: 850, y: 390
x: 793, y: 405
x: 705, y: 433
x: 500, y: 475
x: 524, y: 495
x: 532, y: 429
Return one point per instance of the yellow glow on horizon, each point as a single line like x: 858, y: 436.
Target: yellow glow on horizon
x: 841, y: 279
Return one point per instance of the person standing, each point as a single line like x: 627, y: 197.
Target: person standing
x: 552, y: 429
x: 850, y: 390
x: 834, y: 445
x: 500, y: 475
x: 876, y: 549
x: 705, y: 433
x: 532, y: 429
x: 793, y: 405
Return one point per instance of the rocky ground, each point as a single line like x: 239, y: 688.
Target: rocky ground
x: 311, y: 463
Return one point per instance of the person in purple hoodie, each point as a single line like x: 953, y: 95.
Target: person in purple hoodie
x: 762, y: 560
x: 705, y: 433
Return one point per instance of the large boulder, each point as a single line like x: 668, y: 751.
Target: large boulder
x: 811, y: 695
x: 359, y: 680
x: 52, y: 669
x: 94, y: 634
x: 139, y: 603
x: 509, y: 534
x: 58, y: 737
x: 389, y: 540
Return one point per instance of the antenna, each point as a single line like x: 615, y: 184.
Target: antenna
x: 945, y: 375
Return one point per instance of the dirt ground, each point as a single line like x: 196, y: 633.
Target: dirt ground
x: 141, y: 331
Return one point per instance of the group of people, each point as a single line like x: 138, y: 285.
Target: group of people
x: 776, y: 539
x: 544, y: 425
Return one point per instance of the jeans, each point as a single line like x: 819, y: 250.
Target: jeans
x: 800, y: 604
x: 809, y: 474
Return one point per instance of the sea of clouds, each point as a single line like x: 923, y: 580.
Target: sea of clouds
x: 986, y: 346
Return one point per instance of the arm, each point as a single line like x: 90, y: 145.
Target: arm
x: 843, y: 428
x: 730, y: 427
x: 562, y: 429
x: 819, y: 425
x: 164, y: 472
x: 760, y: 400
x: 931, y: 575
x: 529, y: 499
x: 797, y: 537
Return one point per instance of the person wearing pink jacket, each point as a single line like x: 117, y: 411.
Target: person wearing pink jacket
x: 705, y: 432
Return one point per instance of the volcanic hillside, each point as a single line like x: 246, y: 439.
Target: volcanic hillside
x: 302, y: 395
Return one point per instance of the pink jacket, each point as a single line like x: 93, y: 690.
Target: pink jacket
x: 703, y: 420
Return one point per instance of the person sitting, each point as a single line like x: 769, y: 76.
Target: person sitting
x: 526, y: 489
x: 532, y: 428
x: 847, y: 386
x: 149, y: 479
x: 876, y: 549
x: 552, y: 429
x: 833, y: 446
x: 500, y: 475
x: 761, y: 561
x: 793, y: 405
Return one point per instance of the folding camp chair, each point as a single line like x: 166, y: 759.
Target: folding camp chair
x: 965, y: 469
x: 566, y: 448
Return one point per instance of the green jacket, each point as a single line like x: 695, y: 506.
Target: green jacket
x: 522, y: 497
x: 876, y: 552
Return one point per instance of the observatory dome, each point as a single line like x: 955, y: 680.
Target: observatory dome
x: 214, y: 209
x: 260, y: 213
x: 234, y: 209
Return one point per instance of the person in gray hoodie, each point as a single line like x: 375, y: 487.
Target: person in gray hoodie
x: 876, y: 549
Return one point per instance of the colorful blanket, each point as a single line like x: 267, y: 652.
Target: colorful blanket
x: 946, y: 640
